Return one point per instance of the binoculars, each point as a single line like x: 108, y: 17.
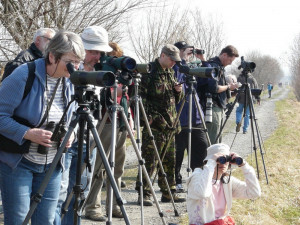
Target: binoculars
x: 227, y: 158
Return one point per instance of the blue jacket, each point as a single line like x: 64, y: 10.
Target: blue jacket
x: 31, y: 108
x: 184, y: 116
x: 211, y: 85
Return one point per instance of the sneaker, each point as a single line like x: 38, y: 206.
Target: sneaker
x: 179, y: 188
x: 238, y: 127
x: 96, y: 217
x: 146, y: 200
x: 167, y: 198
x: 244, y: 132
x: 123, y: 184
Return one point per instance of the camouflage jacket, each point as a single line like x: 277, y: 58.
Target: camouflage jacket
x: 160, y: 97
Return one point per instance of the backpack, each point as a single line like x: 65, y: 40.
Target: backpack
x: 8, y: 145
x: 30, y: 78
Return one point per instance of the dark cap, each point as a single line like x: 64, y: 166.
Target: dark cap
x: 182, y: 44
x: 172, y: 51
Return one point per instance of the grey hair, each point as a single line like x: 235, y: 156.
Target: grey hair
x: 65, y: 42
x: 42, y: 31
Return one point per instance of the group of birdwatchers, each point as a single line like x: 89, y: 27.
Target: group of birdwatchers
x: 38, y: 96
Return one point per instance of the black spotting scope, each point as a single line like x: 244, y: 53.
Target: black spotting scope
x: 203, y: 72
x: 97, y: 78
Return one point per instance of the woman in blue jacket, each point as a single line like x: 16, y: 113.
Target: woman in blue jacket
x: 23, y: 121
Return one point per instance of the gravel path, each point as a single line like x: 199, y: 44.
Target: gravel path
x: 267, y: 123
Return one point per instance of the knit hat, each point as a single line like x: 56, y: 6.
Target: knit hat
x: 217, y: 148
x: 95, y: 38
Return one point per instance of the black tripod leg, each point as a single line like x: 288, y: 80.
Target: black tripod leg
x: 202, y: 119
x: 77, y: 187
x: 254, y: 120
x: 107, y: 169
x: 36, y: 199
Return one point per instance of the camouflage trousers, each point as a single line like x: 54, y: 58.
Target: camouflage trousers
x: 148, y: 154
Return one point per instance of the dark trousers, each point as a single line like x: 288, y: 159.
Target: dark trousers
x: 198, y: 149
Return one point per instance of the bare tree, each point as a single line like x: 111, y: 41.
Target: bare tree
x: 162, y: 25
x: 207, y: 33
x: 19, y: 19
x: 169, y: 24
x: 294, y: 62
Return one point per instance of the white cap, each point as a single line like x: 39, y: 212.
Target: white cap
x: 217, y: 148
x: 95, y: 38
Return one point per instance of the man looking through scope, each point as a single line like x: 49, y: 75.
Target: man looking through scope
x: 217, y: 90
x: 198, y: 138
x: 160, y: 93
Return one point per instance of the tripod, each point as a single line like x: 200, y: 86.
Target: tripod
x: 246, y: 90
x: 113, y: 110
x: 82, y: 117
x: 190, y: 95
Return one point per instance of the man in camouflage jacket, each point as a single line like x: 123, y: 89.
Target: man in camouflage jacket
x: 160, y: 93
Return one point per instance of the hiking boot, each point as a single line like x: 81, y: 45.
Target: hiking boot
x: 123, y: 184
x: 96, y: 217
x: 179, y: 188
x: 238, y: 127
x: 146, y: 200
x: 117, y: 213
x: 167, y: 198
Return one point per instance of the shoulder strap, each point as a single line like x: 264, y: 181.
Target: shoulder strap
x: 30, y: 79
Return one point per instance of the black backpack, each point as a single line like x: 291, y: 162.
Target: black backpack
x: 30, y: 79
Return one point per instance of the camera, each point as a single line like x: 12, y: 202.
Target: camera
x: 227, y: 158
x: 247, y: 66
x: 208, y: 111
x: 58, y: 132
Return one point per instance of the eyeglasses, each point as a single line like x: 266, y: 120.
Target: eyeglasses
x: 49, y: 39
x: 74, y: 62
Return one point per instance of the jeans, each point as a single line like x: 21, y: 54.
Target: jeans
x: 239, y: 114
x: 198, y: 149
x: 69, y: 180
x: 19, y: 184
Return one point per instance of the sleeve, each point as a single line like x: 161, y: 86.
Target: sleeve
x: 199, y: 184
x: 248, y: 189
x: 11, y: 92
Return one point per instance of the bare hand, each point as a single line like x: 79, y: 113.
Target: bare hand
x: 39, y: 136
